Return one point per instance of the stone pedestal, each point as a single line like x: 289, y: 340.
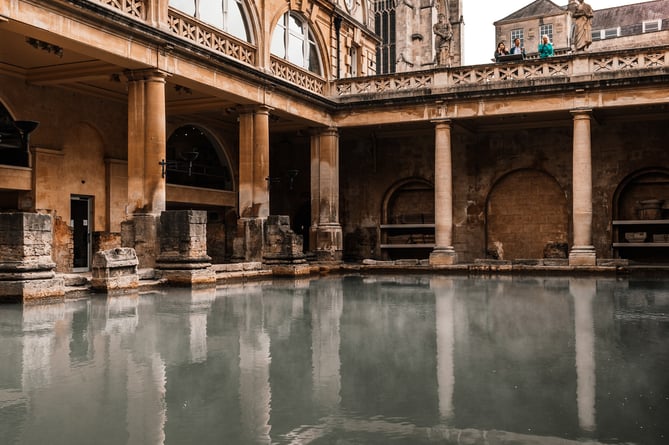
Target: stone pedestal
x: 248, y: 242
x: 183, y: 258
x: 141, y: 234
x: 115, y: 269
x: 26, y: 268
x: 283, y: 250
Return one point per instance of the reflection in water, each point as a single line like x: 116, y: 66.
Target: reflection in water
x: 372, y: 360
x: 584, y: 292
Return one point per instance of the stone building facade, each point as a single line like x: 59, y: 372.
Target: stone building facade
x: 626, y: 26
x: 142, y: 107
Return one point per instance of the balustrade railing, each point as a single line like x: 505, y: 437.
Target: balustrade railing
x: 134, y: 8
x: 191, y: 29
x: 298, y: 76
x: 502, y: 74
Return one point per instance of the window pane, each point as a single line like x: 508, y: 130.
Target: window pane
x: 211, y: 12
x: 185, y: 6
x: 278, y: 40
x: 296, y: 49
x: 314, y: 63
x: 236, y: 21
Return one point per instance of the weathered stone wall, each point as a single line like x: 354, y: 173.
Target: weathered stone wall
x: 481, y: 160
x: 63, y: 245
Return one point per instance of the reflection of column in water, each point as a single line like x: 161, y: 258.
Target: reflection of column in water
x: 146, y: 411
x: 39, y: 333
x: 254, y: 360
x: 121, y: 316
x: 444, y: 302
x: 326, y: 305
x: 201, y: 300
x: 583, y: 291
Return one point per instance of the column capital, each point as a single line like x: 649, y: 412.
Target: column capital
x: 442, y: 122
x: 581, y: 113
x: 319, y: 131
x: 152, y: 74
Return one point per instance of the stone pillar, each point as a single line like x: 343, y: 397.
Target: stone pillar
x: 582, y: 252
x: 325, y: 191
x: 246, y: 163
x: 146, y: 152
x: 26, y: 267
x: 253, y: 183
x: 315, y: 141
x: 443, y: 253
x: 261, y: 162
x: 183, y: 255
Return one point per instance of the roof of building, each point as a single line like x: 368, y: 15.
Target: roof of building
x: 630, y: 14
x: 622, y: 16
x: 538, y: 8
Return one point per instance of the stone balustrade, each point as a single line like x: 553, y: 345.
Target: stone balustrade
x: 631, y: 63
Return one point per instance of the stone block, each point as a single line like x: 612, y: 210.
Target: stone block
x: 189, y: 277
x: 115, y: 269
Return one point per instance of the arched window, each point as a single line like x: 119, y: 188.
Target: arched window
x: 12, y: 148
x: 294, y: 41
x: 227, y: 15
x: 192, y: 159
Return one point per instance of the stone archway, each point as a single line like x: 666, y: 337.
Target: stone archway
x: 527, y: 217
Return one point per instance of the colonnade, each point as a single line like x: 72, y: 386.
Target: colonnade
x: 146, y: 182
x: 582, y: 252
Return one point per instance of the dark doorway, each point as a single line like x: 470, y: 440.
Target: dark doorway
x: 80, y: 219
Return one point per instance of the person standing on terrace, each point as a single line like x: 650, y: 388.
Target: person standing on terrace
x: 545, y: 47
x: 516, y: 48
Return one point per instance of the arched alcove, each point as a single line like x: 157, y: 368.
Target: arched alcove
x: 641, y: 217
x: 195, y: 159
x: 407, y: 220
x: 526, y: 216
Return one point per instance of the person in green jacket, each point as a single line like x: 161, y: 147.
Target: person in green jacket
x: 545, y: 47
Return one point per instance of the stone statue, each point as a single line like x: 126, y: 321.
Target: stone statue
x: 581, y: 32
x: 443, y: 34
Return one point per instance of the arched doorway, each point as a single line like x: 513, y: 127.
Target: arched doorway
x: 527, y: 217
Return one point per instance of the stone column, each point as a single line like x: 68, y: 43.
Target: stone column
x: 146, y: 141
x: 443, y: 253
x: 315, y: 187
x: 246, y: 163
x: 329, y: 243
x: 253, y: 185
x: 582, y: 252
x: 261, y: 162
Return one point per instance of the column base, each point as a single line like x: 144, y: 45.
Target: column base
x: 443, y: 256
x: 328, y: 242
x: 583, y: 256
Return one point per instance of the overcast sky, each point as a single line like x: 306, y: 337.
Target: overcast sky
x: 481, y: 14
